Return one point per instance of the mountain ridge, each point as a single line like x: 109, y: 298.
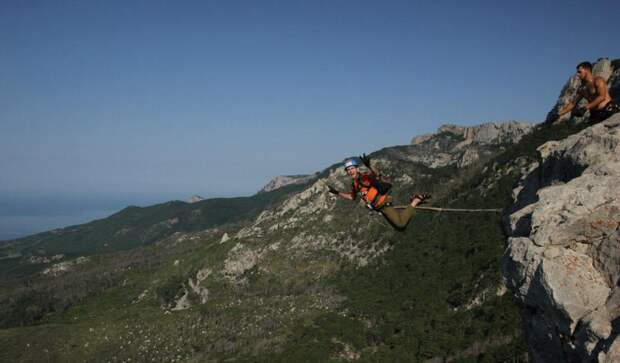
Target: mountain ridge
x: 306, y: 277
x: 162, y: 219
x: 302, y: 258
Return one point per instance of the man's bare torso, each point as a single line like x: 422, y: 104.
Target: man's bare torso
x: 589, y: 92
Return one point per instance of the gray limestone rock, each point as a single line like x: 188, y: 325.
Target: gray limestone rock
x: 521, y: 260
x: 225, y: 238
x: 193, y: 291
x: 563, y: 254
x: 488, y: 133
x: 464, y: 145
x: 284, y: 180
x: 603, y: 68
x: 567, y: 287
x: 239, y: 260
x: 595, y: 328
x: 613, y: 353
x: 195, y: 199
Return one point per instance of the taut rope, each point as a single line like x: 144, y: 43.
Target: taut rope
x: 497, y: 210
x: 458, y: 210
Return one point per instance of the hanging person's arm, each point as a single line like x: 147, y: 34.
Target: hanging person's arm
x: 344, y: 195
x: 366, y: 161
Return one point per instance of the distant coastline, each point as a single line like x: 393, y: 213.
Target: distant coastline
x: 25, y: 215
x: 13, y: 227
x: 10, y: 236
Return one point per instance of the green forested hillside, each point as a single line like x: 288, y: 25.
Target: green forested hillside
x: 338, y: 285
x: 133, y: 227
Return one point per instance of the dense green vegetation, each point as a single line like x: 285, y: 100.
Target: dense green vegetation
x: 435, y: 294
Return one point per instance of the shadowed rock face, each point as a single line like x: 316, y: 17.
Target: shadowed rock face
x: 563, y: 255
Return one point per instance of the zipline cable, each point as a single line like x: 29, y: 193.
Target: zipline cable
x: 458, y: 209
x: 435, y: 209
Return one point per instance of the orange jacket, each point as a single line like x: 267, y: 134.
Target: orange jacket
x: 365, y: 185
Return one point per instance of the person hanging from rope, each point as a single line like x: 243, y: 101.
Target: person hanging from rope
x: 594, y: 90
x: 374, y: 192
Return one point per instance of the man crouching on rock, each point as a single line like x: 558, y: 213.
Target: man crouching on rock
x: 593, y: 89
x: 373, y: 192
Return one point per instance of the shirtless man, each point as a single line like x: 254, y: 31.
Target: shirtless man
x: 594, y: 90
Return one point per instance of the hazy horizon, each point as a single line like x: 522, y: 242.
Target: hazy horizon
x: 25, y: 215
x: 105, y: 104
x: 22, y: 226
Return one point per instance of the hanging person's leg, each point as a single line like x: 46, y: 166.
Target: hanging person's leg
x: 399, y: 217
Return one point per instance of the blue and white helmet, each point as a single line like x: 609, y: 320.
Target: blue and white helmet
x: 351, y: 163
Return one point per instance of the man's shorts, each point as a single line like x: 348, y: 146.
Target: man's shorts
x: 598, y: 115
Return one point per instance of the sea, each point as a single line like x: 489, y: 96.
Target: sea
x: 22, y: 225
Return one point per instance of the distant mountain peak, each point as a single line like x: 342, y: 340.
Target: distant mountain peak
x: 487, y: 133
x: 284, y: 180
x: 195, y: 199
x: 464, y: 145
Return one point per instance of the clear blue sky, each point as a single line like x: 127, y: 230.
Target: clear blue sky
x: 110, y: 103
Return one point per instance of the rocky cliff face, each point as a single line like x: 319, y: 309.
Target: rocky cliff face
x: 450, y: 145
x: 284, y: 180
x: 464, y: 145
x: 563, y: 254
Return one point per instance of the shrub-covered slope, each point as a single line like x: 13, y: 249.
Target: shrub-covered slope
x: 309, y: 278
x: 130, y: 228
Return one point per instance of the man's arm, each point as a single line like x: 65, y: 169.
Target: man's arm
x: 569, y: 107
x: 601, y: 91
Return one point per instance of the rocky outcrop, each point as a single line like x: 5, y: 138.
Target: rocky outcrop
x: 284, y: 180
x: 240, y: 259
x: 563, y: 255
x: 195, y: 199
x: 225, y: 238
x: 45, y: 259
x: 63, y: 267
x: 192, y: 291
x: 488, y: 133
x: 464, y: 145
